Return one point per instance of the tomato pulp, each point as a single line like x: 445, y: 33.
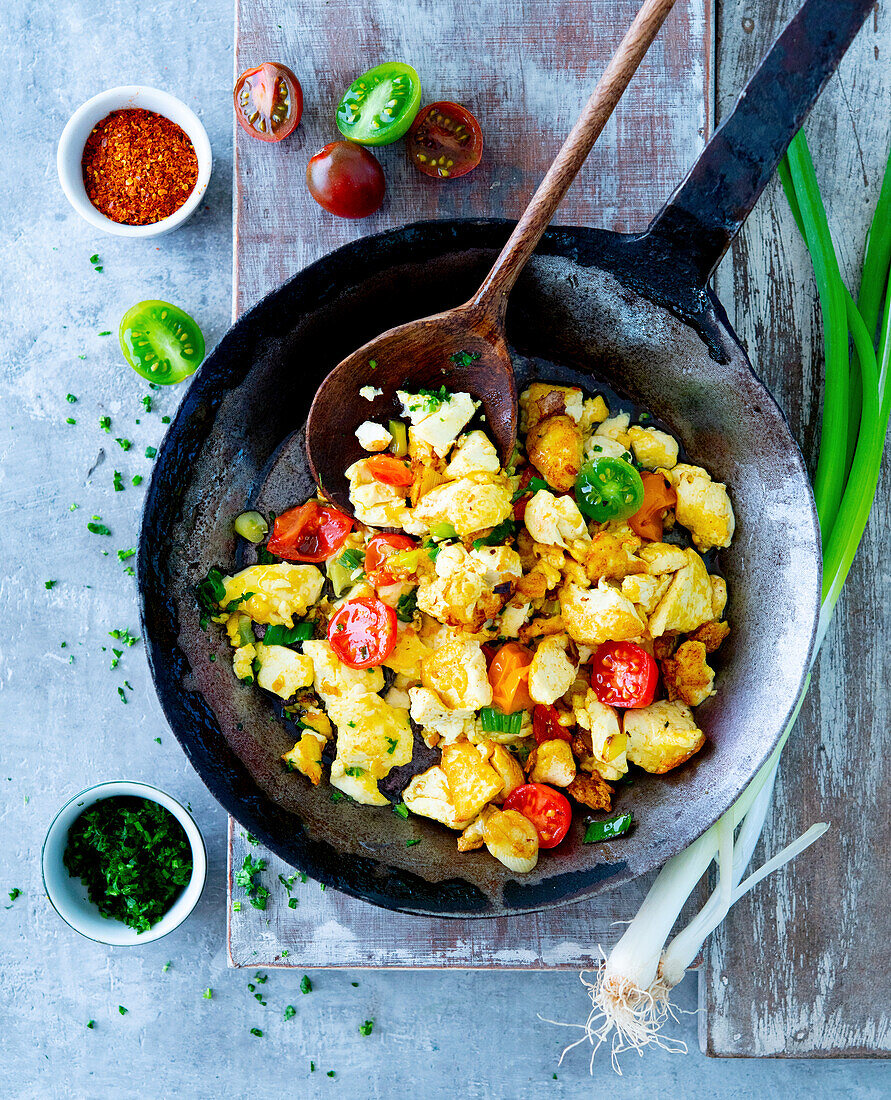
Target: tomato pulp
x: 380, y: 105
x: 379, y: 548
x: 312, y: 532
x: 390, y: 470
x: 445, y: 141
x: 624, y: 675
x: 547, y: 809
x: 362, y: 632
x: 546, y: 725
x: 268, y: 101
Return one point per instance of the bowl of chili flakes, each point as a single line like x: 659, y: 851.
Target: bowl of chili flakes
x: 134, y: 161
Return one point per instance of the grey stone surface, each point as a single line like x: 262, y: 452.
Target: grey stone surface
x: 63, y: 726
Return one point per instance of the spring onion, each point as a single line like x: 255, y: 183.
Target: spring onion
x: 493, y: 721
x: 443, y: 531
x: 251, y: 526
x: 607, y: 830
x: 630, y: 994
x: 398, y: 431
x: 284, y: 635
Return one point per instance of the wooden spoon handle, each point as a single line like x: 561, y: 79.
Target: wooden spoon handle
x: 492, y: 295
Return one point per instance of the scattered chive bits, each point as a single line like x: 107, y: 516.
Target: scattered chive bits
x: 124, y: 444
x: 208, y: 994
x: 305, y: 984
x: 105, y: 423
x: 118, y: 482
x: 70, y: 420
x: 256, y: 1031
x: 137, y: 479
x: 97, y: 266
x: 290, y: 1012
x: 134, y: 858
x: 91, y: 1024
x: 151, y: 452
x: 122, y: 1010
x: 366, y: 1028
x: 50, y: 584
x: 14, y: 893
x: 96, y: 527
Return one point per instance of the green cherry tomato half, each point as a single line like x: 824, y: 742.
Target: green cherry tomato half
x: 608, y: 488
x: 380, y: 105
x: 161, y: 342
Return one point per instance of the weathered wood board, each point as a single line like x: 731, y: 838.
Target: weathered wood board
x: 803, y: 966
x: 525, y: 69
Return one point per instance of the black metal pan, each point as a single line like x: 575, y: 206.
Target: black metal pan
x: 631, y: 311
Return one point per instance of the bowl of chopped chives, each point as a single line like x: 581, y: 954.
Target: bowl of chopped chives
x: 123, y: 863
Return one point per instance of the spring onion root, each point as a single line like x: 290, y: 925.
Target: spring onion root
x: 630, y: 992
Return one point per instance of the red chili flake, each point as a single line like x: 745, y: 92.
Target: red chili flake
x: 138, y: 167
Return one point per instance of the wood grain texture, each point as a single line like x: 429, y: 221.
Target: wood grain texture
x: 525, y: 69
x: 803, y: 965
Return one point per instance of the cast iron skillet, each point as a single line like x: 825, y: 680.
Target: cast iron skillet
x: 631, y: 311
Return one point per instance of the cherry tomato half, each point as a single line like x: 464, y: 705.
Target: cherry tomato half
x: 380, y: 105
x: 312, y: 532
x: 346, y: 180
x: 546, y: 725
x: 161, y: 342
x: 624, y: 675
x: 379, y: 548
x: 445, y: 141
x: 390, y: 470
x: 268, y: 101
x: 547, y: 809
x: 362, y: 632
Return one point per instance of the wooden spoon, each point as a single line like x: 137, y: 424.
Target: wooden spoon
x: 418, y: 355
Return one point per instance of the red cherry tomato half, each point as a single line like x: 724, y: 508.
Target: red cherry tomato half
x: 624, y: 675
x: 524, y: 493
x: 390, y: 470
x: 346, y: 180
x: 363, y: 632
x: 312, y: 532
x: 546, y: 725
x: 379, y: 548
x: 445, y: 141
x: 268, y: 101
x: 547, y: 809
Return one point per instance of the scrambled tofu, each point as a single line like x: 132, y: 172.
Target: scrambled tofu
x: 488, y: 560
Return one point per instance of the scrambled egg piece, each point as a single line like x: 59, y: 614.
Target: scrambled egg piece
x: 554, y: 447
x: 719, y: 595
x: 688, y: 601
x: 687, y: 675
x: 608, y: 750
x: 703, y: 507
x: 551, y: 673
x: 615, y: 428
x: 243, y: 661
x: 472, y: 837
x: 431, y: 713
x: 279, y: 591
x: 334, y: 680
x: 428, y: 795
x: 602, y: 446
x: 645, y: 592
x: 441, y: 425
x: 653, y: 449
x: 456, y: 671
x: 608, y: 555
x: 552, y: 762
x: 407, y: 654
x: 376, y: 504
x: 469, y: 504
x: 662, y: 736
x: 372, y: 738
x: 554, y: 520
x: 471, y: 780
x: 662, y: 557
x: 460, y: 591
x: 474, y: 454
x: 512, y: 839
x: 595, y: 615
x: 594, y: 411
x: 513, y: 618
x: 542, y: 399
x: 282, y: 670
x: 505, y: 764
x: 306, y: 757
x: 370, y: 392
x: 373, y: 437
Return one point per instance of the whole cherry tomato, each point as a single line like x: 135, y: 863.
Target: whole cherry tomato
x: 362, y: 632
x: 547, y: 809
x: 379, y: 548
x: 346, y: 180
x: 445, y: 141
x: 546, y: 725
x: 312, y: 532
x: 268, y: 101
x: 624, y: 675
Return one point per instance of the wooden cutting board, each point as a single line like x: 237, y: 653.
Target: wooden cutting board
x: 802, y: 968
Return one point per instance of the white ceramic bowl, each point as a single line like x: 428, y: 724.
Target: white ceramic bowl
x: 78, y: 128
x: 68, y: 895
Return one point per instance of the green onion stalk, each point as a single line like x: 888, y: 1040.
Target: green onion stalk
x: 630, y: 993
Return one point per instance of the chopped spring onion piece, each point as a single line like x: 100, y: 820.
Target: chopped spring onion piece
x: 251, y: 526
x: 406, y: 606
x: 493, y: 721
x: 443, y: 531
x: 607, y: 830
x: 352, y: 559
x: 398, y: 431
x: 535, y: 483
x: 283, y: 635
x: 504, y: 531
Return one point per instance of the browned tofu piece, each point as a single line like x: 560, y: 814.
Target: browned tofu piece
x: 687, y: 675
x: 592, y: 791
x: 710, y: 634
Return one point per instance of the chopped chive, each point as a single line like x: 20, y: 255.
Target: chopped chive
x: 305, y: 984
x: 122, y: 1010
x: 207, y: 994
x: 98, y: 529
x: 105, y: 423
x: 290, y: 1010
x: 118, y: 482
x: 137, y: 479
x: 70, y: 397
x: 124, y: 444
x: 256, y: 1031
x: 50, y: 584
x: 412, y: 843
x: 70, y: 420
x: 366, y: 1028
x: 151, y: 452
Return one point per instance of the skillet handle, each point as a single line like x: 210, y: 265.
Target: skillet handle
x: 705, y: 213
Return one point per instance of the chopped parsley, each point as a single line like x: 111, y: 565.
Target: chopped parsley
x: 70, y: 398
x: 105, y: 332
x: 248, y: 878
x: 405, y: 608
x: 118, y: 482
x: 70, y: 420
x: 366, y: 1028
x: 256, y: 1031
x: 122, y: 1010
x: 504, y: 531
x: 91, y: 1024
x: 165, y: 419
x: 283, y: 635
x: 151, y: 452
x: 122, y: 695
x: 290, y: 1012
x: 464, y: 358
x: 292, y: 903
x: 400, y: 808
x: 433, y: 400
x: 98, y: 528
x: 105, y: 423
x: 118, y: 653
x: 207, y: 994
x: 337, y: 796
x: 305, y: 984
x: 392, y: 742
x: 133, y: 856
x: 412, y: 843
x: 147, y: 402
x: 50, y: 584
x: 352, y: 559
x: 354, y: 773
x: 609, y: 829
x: 123, y: 636
x: 14, y: 893
x: 124, y: 554
x: 137, y: 479
x: 124, y: 444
